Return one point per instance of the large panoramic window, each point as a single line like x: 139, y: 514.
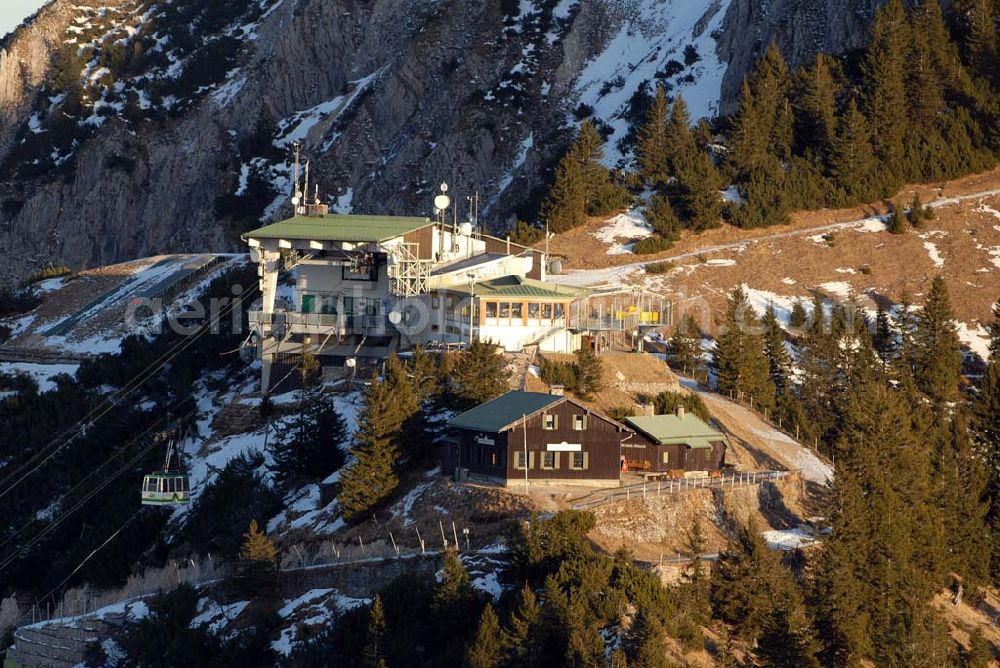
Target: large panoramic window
x: 533, y: 310
x: 559, y: 310
x: 491, y: 309
x: 546, y: 311
x: 516, y: 312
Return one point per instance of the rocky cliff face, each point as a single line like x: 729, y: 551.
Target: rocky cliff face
x: 131, y: 127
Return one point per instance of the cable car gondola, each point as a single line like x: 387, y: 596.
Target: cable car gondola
x: 166, y: 487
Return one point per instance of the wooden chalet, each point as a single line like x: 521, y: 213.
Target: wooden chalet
x: 679, y: 444
x: 539, y: 437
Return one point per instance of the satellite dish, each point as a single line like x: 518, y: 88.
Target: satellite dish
x: 296, y: 200
x: 395, y: 317
x: 350, y: 362
x: 442, y: 202
x: 444, y: 187
x: 254, y: 255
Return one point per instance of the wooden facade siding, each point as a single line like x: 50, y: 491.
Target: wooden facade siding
x: 638, y: 448
x: 600, y: 442
x: 425, y: 237
x: 495, y: 245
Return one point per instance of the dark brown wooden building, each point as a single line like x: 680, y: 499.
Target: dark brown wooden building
x: 549, y: 437
x: 679, y: 443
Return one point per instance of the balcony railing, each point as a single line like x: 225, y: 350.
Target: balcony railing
x: 324, y: 323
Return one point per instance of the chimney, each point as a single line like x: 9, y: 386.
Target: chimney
x: 557, y: 390
x: 648, y: 409
x: 680, y: 412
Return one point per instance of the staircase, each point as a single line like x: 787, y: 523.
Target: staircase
x: 54, y: 646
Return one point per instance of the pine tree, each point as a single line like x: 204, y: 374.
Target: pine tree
x: 415, y: 437
x: 962, y: 488
x: 884, y: 337
x: 582, y: 186
x: 662, y: 217
x: 778, y: 359
x: 644, y: 645
x: 455, y: 601
x: 786, y: 640
x: 884, y: 69
x: 938, y: 353
x: 977, y: 27
x: 307, y: 446
x: 762, y: 128
x: 741, y: 366
x: 485, y: 649
x: 851, y: 160
x: 817, y: 106
x: 521, y: 637
x: 747, y: 580
x: 985, y: 423
x: 652, y: 152
x: 798, y: 317
x: 589, y: 372
x: 257, y: 546
x: 480, y: 375
x: 897, y: 221
x: 373, y: 655
x: 684, y: 349
x: 372, y: 477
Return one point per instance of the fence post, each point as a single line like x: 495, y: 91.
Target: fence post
x: 657, y: 487
x: 394, y: 546
x: 644, y: 489
x: 420, y: 540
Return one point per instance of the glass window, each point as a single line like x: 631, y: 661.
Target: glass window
x: 504, y: 309
x: 577, y: 460
x: 436, y: 301
x: 549, y: 421
x: 547, y: 311
x: 548, y: 460
x: 579, y: 422
x: 559, y: 310
x: 533, y: 310
x: 491, y: 309
x: 519, y: 460
x: 515, y: 310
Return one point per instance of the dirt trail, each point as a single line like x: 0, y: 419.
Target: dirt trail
x: 757, y: 434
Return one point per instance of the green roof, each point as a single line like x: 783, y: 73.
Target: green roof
x: 337, y: 227
x: 498, y: 414
x: 516, y: 286
x: 689, y: 430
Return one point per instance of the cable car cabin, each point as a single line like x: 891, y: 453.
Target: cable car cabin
x: 165, y: 489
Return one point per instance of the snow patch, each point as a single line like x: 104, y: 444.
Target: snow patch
x: 935, y: 255
x: 976, y: 337
x: 790, y: 539
x: 629, y: 225
x: 837, y: 288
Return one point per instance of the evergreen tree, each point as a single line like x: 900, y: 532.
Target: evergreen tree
x: 985, y: 424
x: 817, y: 106
x: 741, y: 365
x: 684, y: 349
x: 762, y: 128
x: 963, y: 501
x: 786, y: 641
x: 897, y: 221
x: 976, y: 21
x: 521, y: 637
x: 644, y: 645
x: 480, y: 375
x: 372, y: 477
x: 415, y: 437
x: 582, y: 186
x: 485, y: 649
x: 257, y: 546
x: 589, y: 372
x: 937, y: 350
x: 652, y: 152
x: 851, y: 160
x: 663, y: 218
x: 885, y: 75
x: 307, y: 446
x: 779, y: 361
x: 884, y: 337
x: 455, y: 600
x: 798, y: 317
x: 747, y: 580
x: 373, y: 655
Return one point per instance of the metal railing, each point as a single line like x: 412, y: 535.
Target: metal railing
x: 678, y: 485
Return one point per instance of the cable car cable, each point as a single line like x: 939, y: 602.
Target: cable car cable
x: 112, y: 402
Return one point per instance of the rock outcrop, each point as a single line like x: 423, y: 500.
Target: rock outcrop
x: 389, y: 98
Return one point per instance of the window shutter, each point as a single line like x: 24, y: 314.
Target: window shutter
x: 531, y: 460
x: 586, y: 461
x: 556, y: 463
